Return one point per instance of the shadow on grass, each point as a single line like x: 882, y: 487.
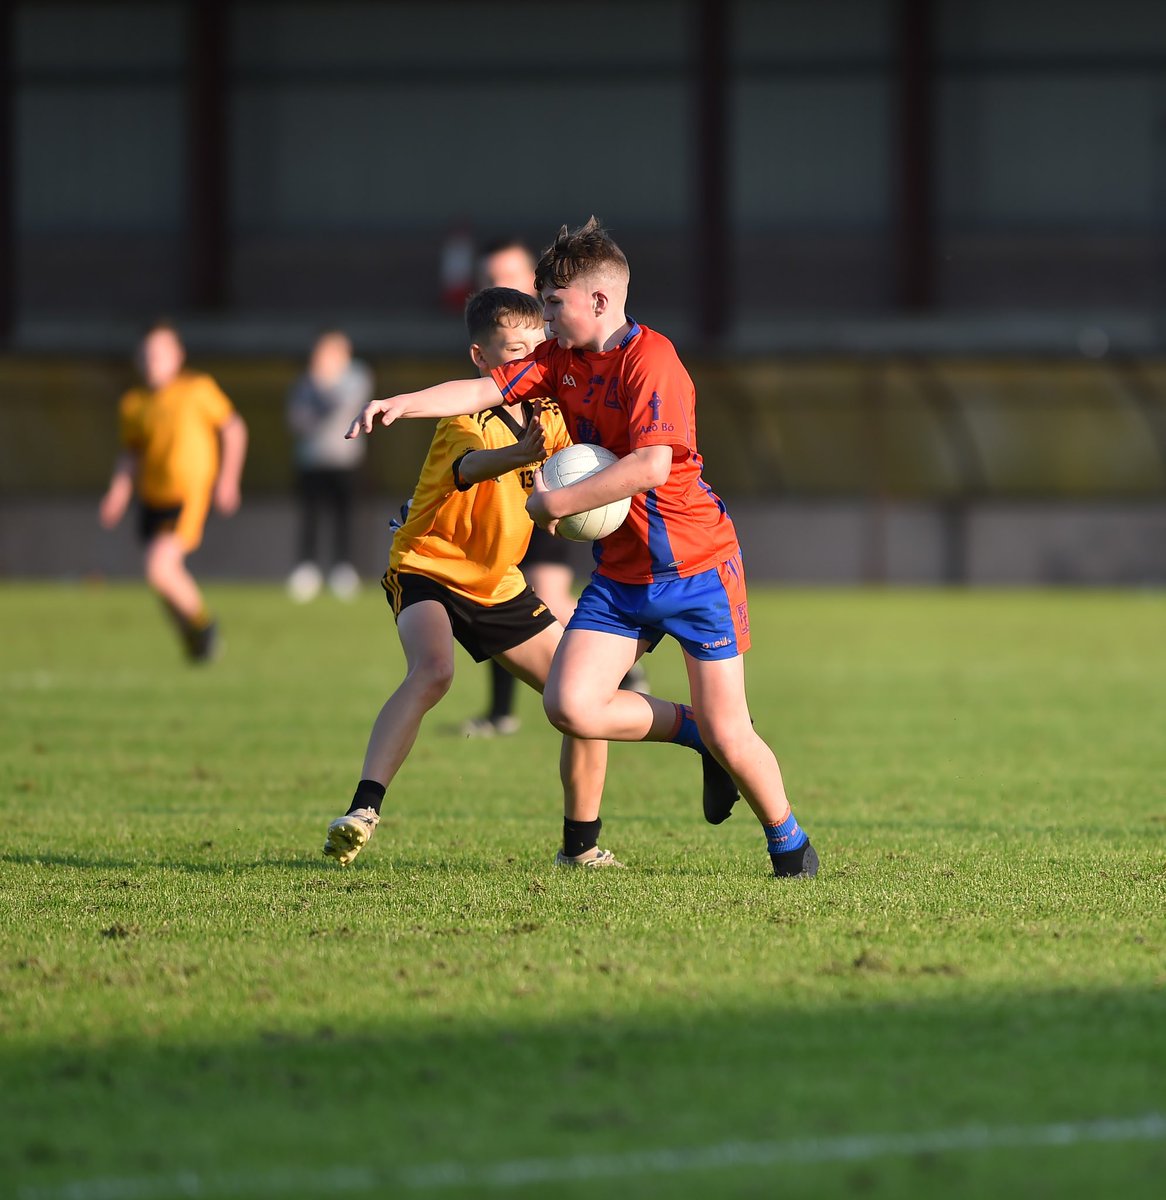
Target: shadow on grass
x: 455, y: 867
x: 212, y: 866
x: 296, y: 1097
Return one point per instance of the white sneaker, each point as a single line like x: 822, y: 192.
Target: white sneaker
x: 343, y: 581
x: 348, y: 835
x: 304, y: 583
x: 589, y: 858
x: 487, y: 727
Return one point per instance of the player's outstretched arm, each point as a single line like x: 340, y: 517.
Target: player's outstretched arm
x: 120, y: 491
x: 458, y: 397
x: 233, y: 443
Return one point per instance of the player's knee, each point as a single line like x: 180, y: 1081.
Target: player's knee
x: 159, y: 572
x: 566, y: 716
x: 727, y: 743
x: 571, y: 714
x: 432, y: 677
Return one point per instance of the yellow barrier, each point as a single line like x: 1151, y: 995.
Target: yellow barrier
x: 905, y: 428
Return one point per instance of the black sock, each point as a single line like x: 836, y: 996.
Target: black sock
x: 369, y: 794
x: 501, y: 692
x: 580, y: 836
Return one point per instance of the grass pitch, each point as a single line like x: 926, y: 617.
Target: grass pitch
x: 194, y: 1002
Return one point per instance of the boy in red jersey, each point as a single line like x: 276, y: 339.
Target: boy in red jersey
x: 673, y: 567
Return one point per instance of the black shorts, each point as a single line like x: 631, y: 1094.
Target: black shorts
x: 545, y: 550
x: 483, y: 629
x: 153, y: 521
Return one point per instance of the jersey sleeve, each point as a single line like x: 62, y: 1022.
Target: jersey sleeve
x: 555, y: 428
x: 129, y: 424
x: 660, y: 399
x: 528, y: 378
x: 455, y: 438
x: 214, y: 404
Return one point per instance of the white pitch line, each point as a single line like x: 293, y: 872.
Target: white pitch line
x: 523, y: 1172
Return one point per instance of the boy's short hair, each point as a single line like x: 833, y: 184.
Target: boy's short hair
x: 494, y: 306
x: 160, y: 325
x: 579, y: 252
x: 497, y: 245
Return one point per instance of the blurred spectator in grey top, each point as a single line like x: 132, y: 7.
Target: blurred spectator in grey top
x: 320, y: 406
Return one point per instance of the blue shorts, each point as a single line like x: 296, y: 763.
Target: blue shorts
x: 708, y: 614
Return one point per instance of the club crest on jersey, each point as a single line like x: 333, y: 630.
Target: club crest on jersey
x: 585, y: 431
x: 654, y: 405
x: 569, y: 381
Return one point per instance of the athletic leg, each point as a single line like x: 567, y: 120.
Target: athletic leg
x: 499, y: 717
x: 166, y: 573
x: 551, y: 583
x: 342, y: 488
x: 427, y: 638
x: 583, y: 696
x: 336, y: 485
x: 722, y: 714
x: 310, y: 499
x: 582, y: 762
x: 305, y: 580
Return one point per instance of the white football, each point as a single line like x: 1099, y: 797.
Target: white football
x: 569, y: 466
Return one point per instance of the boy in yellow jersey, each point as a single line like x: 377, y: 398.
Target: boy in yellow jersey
x: 453, y: 574
x: 184, y: 446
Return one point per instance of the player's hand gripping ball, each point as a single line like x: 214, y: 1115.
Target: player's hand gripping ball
x: 569, y: 466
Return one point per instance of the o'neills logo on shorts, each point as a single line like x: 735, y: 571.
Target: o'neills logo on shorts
x: 715, y: 645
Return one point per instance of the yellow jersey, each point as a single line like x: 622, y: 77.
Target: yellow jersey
x: 471, y: 538
x: 174, y: 432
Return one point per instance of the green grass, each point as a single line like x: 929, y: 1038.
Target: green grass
x: 186, y: 986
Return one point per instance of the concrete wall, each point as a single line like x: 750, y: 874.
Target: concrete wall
x: 810, y: 542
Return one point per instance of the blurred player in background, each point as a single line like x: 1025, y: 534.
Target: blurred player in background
x: 183, y: 447
x: 510, y: 263
x: 674, y: 567
x: 320, y: 407
x: 453, y: 574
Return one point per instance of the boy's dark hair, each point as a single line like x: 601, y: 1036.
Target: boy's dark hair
x: 160, y: 325
x: 497, y: 245
x: 578, y: 252
x: 494, y: 306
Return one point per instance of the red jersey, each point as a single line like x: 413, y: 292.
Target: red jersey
x: 638, y: 394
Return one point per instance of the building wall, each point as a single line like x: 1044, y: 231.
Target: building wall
x: 360, y: 134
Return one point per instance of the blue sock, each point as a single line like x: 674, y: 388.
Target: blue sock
x: 787, y: 836
x: 685, y: 732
